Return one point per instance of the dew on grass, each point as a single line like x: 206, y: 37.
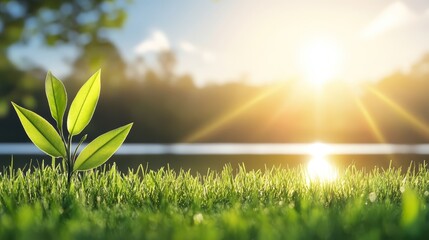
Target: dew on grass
x: 198, y: 218
x: 372, y: 196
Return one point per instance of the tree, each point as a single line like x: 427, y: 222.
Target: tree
x: 54, y: 22
x: 70, y: 21
x: 167, y: 62
x: 98, y: 54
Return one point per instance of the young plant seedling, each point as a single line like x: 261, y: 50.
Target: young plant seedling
x: 55, y: 143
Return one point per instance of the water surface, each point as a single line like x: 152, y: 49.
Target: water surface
x: 214, y: 156
x: 240, y: 149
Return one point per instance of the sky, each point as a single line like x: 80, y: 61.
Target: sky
x: 263, y: 41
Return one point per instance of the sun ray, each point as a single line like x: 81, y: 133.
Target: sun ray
x: 224, y: 119
x: 373, y: 125
x: 370, y: 121
x: 291, y: 98
x: 415, y: 121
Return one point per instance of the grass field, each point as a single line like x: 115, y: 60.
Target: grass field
x: 233, y: 204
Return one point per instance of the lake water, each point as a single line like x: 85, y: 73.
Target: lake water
x: 201, y: 157
x: 241, y: 149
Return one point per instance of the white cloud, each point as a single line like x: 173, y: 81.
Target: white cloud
x: 208, y: 56
x: 187, y: 47
x: 157, y: 42
x: 427, y: 12
x: 205, y: 55
x: 395, y: 15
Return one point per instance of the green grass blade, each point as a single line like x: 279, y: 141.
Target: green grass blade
x: 57, y: 98
x: 410, y: 208
x: 83, y: 105
x: 40, y: 132
x: 101, y: 149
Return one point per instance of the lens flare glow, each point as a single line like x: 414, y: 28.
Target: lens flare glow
x: 319, y: 169
x: 320, y: 60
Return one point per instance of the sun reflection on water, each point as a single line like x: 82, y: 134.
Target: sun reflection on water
x: 319, y: 169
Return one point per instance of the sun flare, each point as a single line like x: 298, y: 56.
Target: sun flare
x: 320, y: 60
x: 319, y: 169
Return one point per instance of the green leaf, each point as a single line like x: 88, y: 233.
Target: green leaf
x: 40, y: 132
x: 101, y: 149
x: 57, y: 98
x: 83, y: 105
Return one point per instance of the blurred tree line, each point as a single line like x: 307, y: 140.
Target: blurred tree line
x: 168, y: 107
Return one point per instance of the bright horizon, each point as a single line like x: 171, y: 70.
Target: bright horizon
x: 222, y: 40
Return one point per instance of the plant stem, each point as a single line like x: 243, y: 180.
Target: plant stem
x: 69, y: 162
x: 67, y: 159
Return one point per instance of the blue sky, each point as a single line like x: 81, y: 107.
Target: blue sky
x: 262, y: 40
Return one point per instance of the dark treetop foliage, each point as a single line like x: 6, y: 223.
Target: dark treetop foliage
x: 55, y: 22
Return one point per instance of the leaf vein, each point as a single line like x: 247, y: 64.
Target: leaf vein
x: 80, y: 109
x: 41, y: 132
x: 91, y: 155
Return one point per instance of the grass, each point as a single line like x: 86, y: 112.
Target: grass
x: 232, y: 204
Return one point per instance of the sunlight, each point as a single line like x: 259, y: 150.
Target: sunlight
x: 419, y: 124
x: 320, y: 60
x: 370, y: 121
x: 319, y: 169
x: 227, y: 117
